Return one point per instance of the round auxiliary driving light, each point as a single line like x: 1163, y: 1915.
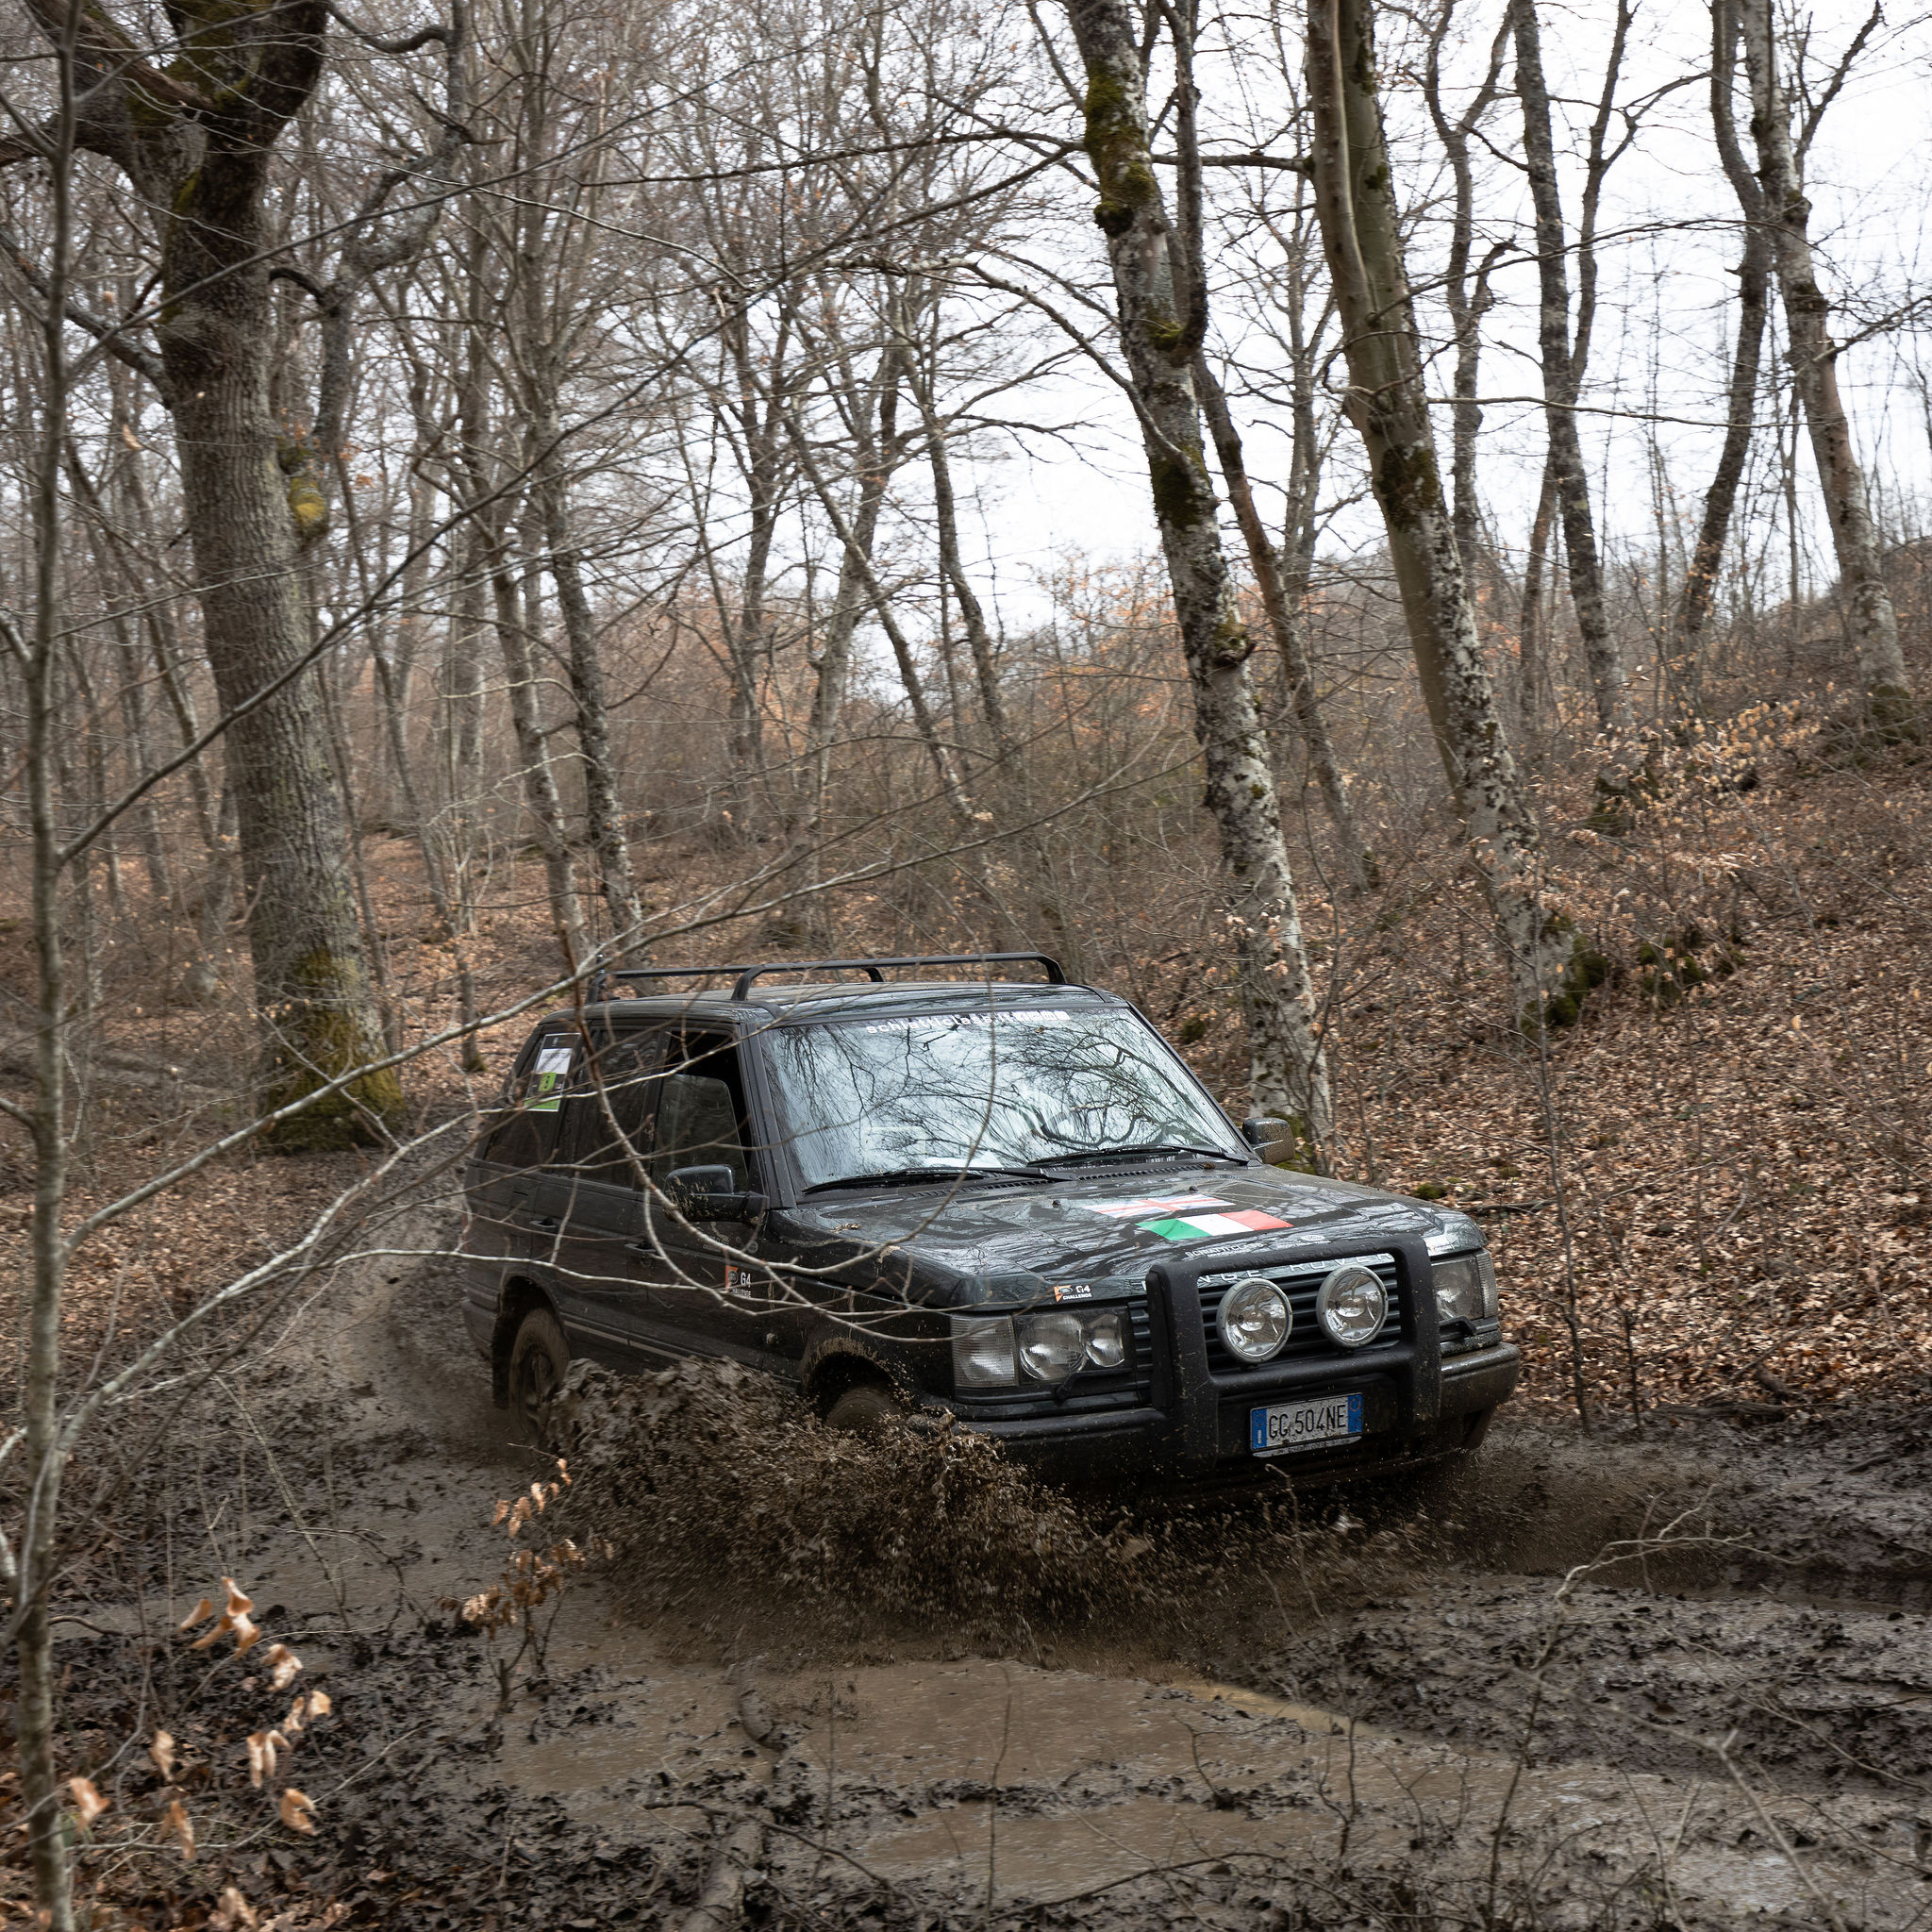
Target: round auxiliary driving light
x: 1351, y: 1305
x: 1254, y: 1320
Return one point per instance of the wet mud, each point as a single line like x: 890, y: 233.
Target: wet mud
x: 1676, y: 1676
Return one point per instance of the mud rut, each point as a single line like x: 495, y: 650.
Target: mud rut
x: 1407, y: 1718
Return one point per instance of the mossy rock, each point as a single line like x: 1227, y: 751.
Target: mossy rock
x: 1583, y: 971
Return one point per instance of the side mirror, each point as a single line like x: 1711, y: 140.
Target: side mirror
x: 709, y: 1194
x: 1273, y: 1139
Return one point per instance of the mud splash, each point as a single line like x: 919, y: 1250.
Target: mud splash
x: 717, y: 1485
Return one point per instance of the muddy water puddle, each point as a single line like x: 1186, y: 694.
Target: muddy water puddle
x: 997, y: 1778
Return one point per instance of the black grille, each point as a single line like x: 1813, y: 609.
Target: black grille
x: 1304, y: 1338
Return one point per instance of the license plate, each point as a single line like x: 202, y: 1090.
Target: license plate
x: 1304, y: 1425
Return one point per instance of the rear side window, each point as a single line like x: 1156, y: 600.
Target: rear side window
x: 524, y: 1134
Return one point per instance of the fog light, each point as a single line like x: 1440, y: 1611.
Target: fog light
x: 1351, y: 1305
x: 1051, y: 1346
x: 983, y: 1352
x: 1106, y: 1338
x: 1254, y: 1320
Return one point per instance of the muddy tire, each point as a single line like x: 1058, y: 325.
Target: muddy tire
x: 538, y: 1358
x: 867, y: 1409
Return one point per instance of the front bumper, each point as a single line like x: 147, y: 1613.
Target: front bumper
x: 1194, y: 1428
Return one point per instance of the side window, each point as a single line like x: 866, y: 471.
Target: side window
x: 699, y: 1107
x: 609, y: 1114
x: 525, y: 1131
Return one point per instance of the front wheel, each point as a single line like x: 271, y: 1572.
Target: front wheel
x: 867, y: 1409
x: 538, y: 1358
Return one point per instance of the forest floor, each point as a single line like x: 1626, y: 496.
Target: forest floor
x: 1386, y: 1707
x: 1710, y: 1208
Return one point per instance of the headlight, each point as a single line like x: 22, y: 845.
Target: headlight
x: 1351, y: 1305
x: 1254, y: 1321
x: 982, y: 1352
x: 1051, y: 1346
x: 1107, y: 1338
x: 1466, y: 1288
x: 995, y: 1352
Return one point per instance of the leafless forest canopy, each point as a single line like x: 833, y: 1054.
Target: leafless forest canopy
x: 640, y: 445
x: 1395, y: 536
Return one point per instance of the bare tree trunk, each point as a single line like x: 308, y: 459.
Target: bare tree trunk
x: 858, y: 556
x: 200, y: 144
x: 30, y: 1570
x: 217, y: 900
x: 131, y: 696
x: 134, y: 720
x: 453, y: 832
x: 310, y: 976
x: 105, y: 850
x: 1889, y: 705
x: 1700, y: 579
x: 1562, y: 379
x: 1039, y: 888
x: 760, y: 409
x: 1265, y: 561
x: 602, y: 807
x: 877, y: 456
x: 1467, y: 305
x: 166, y: 643
x: 985, y: 677
x: 1386, y: 403
x: 533, y: 753
x: 1533, y: 623
x: 1753, y: 286
x: 1161, y: 304
x: 459, y: 727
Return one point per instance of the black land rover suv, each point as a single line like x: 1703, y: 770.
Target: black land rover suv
x: 1007, y: 1201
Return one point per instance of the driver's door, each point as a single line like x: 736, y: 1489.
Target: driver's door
x: 700, y: 1295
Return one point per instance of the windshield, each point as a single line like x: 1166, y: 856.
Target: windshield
x: 951, y: 1091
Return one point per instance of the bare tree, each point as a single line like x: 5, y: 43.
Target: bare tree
x: 1160, y: 291
x: 1468, y: 299
x: 198, y: 143
x: 1355, y: 194
x: 1890, y: 709
x: 1272, y: 585
x: 1563, y: 358
x: 1753, y: 286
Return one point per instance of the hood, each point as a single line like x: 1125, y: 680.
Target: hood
x: 1089, y: 1228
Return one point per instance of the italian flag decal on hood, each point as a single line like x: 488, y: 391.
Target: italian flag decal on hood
x: 1188, y: 1217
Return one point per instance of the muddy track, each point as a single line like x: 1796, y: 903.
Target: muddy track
x: 1388, y: 1698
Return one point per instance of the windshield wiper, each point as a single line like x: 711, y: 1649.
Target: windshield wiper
x: 1131, y: 1153
x: 897, y: 1176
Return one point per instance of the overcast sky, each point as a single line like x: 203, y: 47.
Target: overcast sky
x: 1665, y: 318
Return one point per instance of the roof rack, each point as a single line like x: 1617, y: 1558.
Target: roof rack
x: 604, y: 985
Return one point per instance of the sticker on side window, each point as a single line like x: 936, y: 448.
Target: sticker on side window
x: 547, y: 1082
